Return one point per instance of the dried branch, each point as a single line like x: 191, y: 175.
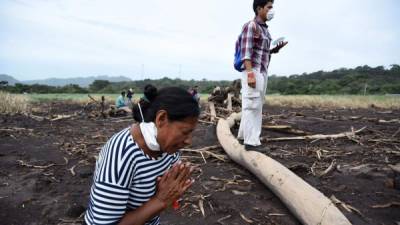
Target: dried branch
x: 350, y: 134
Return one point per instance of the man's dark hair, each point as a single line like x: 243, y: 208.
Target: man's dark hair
x: 123, y: 93
x: 178, y: 103
x: 260, y: 3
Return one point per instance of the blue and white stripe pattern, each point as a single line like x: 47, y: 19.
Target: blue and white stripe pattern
x: 124, y: 179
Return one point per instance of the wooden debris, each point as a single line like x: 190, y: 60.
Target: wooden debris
x: 389, y: 121
x: 66, y: 160
x: 204, y: 159
x: 236, y: 192
x: 201, y: 206
x: 69, y: 221
x: 395, y: 167
x: 396, y: 133
x: 93, y: 99
x: 329, y: 169
x: 229, y: 102
x: 223, y: 110
x: 276, y: 214
x: 284, y: 129
x: 351, y: 134
x: 60, y: 117
x: 207, y: 122
x: 22, y: 163
x: 72, y: 170
x: 222, y: 219
x: 212, y: 111
x: 37, y: 118
x: 15, y: 129
x: 347, y: 207
x: 246, y: 219
x: 206, y: 150
x: 387, y: 205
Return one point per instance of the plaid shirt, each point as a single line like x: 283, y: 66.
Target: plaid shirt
x: 256, y: 41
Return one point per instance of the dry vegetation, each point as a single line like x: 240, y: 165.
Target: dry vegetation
x: 295, y: 101
x: 12, y: 104
x: 334, y: 101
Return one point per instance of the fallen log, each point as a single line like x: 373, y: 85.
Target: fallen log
x: 308, y: 204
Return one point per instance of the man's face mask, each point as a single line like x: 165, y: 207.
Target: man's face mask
x: 270, y: 15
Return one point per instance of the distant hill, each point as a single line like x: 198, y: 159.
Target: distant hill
x: 81, y: 81
x: 11, y: 80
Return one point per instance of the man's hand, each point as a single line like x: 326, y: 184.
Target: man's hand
x: 278, y: 47
x: 251, y: 79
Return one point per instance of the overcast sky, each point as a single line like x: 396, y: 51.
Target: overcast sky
x: 188, y: 39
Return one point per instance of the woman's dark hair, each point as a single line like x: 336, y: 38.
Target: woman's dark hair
x: 260, y: 3
x: 150, y: 92
x: 178, y: 103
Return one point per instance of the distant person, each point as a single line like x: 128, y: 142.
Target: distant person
x: 253, y: 48
x: 195, y: 94
x: 138, y: 173
x: 129, y: 95
x: 121, y: 104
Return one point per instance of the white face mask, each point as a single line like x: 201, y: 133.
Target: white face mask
x: 149, y: 132
x: 270, y: 15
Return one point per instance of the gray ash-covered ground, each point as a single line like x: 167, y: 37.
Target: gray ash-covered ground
x: 46, y: 168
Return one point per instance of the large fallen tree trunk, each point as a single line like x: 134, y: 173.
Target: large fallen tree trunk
x: 308, y: 204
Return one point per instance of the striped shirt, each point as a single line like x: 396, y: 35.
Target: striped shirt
x: 124, y: 179
x: 256, y: 41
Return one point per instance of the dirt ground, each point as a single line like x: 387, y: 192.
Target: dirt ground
x: 46, y: 167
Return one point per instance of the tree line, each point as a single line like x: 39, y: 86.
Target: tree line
x: 359, y: 80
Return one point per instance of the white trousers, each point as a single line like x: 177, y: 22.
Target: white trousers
x: 252, y: 103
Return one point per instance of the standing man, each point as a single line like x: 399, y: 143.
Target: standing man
x: 255, y: 43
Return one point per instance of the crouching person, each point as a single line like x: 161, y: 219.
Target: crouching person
x: 120, y: 103
x: 138, y: 173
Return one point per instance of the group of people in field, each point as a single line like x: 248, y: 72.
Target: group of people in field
x: 138, y: 173
x: 125, y: 100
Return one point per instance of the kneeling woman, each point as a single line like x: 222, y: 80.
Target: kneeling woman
x: 138, y: 173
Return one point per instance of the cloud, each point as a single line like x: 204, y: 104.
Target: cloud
x: 85, y: 37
